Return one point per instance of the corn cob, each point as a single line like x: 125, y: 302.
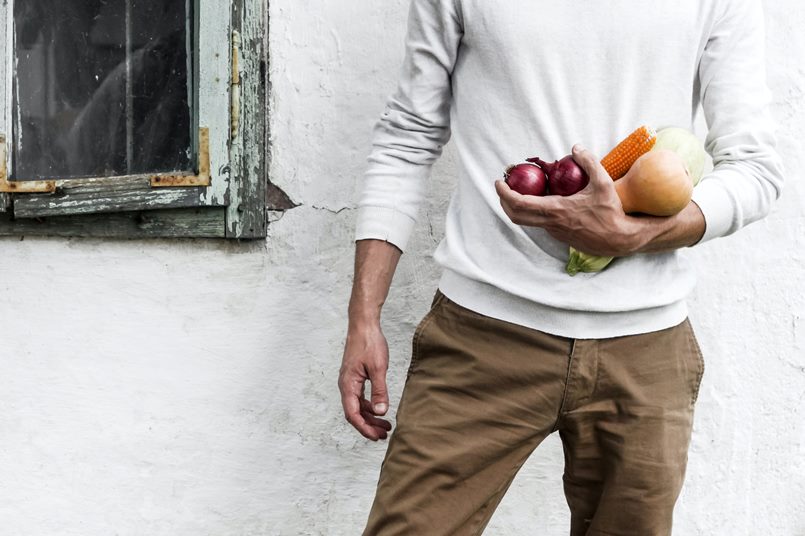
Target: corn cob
x: 626, y: 153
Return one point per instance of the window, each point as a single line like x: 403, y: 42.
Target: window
x: 133, y: 118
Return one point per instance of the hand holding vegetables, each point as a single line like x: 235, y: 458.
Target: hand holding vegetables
x: 654, y: 173
x: 592, y: 220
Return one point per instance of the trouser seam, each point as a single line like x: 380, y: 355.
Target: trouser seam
x: 567, y: 385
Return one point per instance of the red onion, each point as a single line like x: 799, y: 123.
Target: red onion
x: 565, y: 176
x: 527, y: 179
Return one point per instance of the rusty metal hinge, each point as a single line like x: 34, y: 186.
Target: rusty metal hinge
x: 234, y: 106
x: 19, y: 186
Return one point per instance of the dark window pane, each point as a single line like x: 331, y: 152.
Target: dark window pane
x: 102, y: 88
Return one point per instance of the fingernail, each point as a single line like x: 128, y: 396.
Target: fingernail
x: 578, y: 148
x: 380, y: 408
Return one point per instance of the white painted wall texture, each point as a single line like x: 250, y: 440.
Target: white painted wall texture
x: 179, y: 387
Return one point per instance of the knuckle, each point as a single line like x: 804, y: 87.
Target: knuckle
x: 343, y: 374
x: 556, y: 207
x: 344, y: 384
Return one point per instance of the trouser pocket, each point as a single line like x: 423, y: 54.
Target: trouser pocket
x: 697, y: 352
x: 423, y: 324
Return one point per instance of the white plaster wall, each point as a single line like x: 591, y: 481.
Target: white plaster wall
x: 189, y: 388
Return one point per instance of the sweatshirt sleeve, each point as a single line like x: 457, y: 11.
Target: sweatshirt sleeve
x: 747, y: 177
x: 409, y: 136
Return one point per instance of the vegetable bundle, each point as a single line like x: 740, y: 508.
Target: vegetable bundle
x: 654, y: 174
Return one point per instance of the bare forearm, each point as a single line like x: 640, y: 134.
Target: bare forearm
x: 657, y: 235
x: 375, y: 263
x: 366, y: 353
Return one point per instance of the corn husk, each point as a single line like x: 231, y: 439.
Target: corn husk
x: 582, y: 262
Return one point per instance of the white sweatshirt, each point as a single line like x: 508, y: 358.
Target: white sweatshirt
x: 515, y: 79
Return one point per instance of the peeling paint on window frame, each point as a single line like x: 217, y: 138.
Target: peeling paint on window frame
x: 238, y: 153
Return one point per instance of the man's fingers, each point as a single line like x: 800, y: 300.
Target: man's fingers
x: 380, y: 395
x: 523, y: 209
x: 365, y: 358
x: 354, y: 417
x: 504, y: 193
x: 519, y: 202
x: 376, y: 428
x: 381, y: 427
x: 350, y: 400
x: 368, y: 415
x: 378, y: 422
x: 584, y: 158
x: 369, y: 430
x: 590, y: 164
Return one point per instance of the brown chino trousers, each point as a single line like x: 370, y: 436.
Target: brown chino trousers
x: 481, y: 395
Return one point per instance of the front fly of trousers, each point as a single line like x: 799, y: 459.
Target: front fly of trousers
x: 481, y: 394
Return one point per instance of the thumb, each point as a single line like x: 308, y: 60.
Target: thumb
x: 380, y: 395
x: 590, y: 164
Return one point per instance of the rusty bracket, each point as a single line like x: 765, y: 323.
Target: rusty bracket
x: 19, y: 186
x: 234, y: 112
x: 203, y: 177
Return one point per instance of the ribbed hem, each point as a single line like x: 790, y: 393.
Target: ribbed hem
x: 382, y: 223
x: 493, y: 302
x: 714, y: 201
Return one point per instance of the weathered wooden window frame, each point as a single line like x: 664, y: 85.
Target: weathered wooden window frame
x: 226, y: 199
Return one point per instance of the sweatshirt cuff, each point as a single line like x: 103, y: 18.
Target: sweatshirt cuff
x: 714, y: 202
x: 382, y: 223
